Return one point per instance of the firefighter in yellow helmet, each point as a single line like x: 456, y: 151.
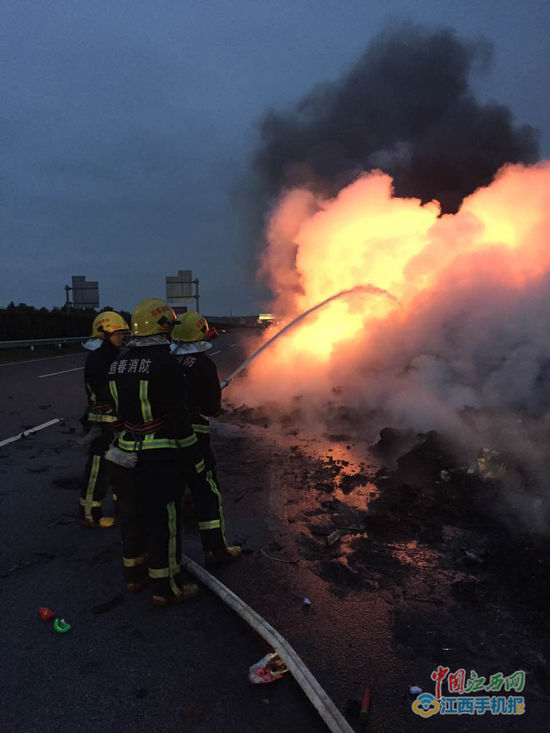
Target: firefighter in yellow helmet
x: 155, y: 445
x: 190, y: 342
x: 108, y: 330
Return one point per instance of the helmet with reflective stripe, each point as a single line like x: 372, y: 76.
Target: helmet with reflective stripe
x: 107, y: 323
x: 192, y: 327
x: 153, y: 316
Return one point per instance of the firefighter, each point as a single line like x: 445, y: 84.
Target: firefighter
x: 108, y: 330
x: 155, y: 445
x: 190, y: 344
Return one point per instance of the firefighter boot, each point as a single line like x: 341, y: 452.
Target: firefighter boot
x: 136, y: 585
x: 189, y: 590
x: 102, y: 522
x: 222, y: 556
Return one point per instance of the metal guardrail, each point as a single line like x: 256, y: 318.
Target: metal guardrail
x: 31, y: 343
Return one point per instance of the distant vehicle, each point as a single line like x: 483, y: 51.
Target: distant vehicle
x: 265, y: 320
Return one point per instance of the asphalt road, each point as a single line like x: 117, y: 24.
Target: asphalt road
x: 37, y: 390
x: 130, y: 668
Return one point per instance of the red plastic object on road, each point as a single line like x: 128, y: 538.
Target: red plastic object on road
x: 269, y: 668
x: 365, y: 705
x: 46, y: 614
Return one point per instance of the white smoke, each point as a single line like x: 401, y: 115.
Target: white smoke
x: 468, y: 351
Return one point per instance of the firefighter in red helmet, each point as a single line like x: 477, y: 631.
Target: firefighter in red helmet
x: 190, y: 342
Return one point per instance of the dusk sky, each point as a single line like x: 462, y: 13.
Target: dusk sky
x: 129, y: 126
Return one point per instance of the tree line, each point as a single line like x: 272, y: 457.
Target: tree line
x: 18, y: 322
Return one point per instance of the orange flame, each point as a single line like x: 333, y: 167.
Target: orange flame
x: 498, y: 241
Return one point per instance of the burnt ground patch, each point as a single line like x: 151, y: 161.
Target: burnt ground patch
x: 486, y: 596
x: 465, y: 587
x: 352, y: 481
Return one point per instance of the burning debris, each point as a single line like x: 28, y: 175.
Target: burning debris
x: 432, y: 552
x: 392, y: 444
x: 397, y: 178
x: 467, y: 329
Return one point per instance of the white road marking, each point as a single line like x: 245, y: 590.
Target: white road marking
x: 65, y: 371
x: 33, y: 361
x: 31, y: 430
x: 231, y: 346
x: 213, y: 353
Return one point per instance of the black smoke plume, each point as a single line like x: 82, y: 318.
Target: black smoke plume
x: 407, y: 108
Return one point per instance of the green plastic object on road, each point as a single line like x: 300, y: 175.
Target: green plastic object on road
x: 61, y: 626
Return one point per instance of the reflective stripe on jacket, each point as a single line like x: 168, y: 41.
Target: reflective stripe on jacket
x: 146, y: 388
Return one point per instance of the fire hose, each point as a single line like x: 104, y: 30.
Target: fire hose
x: 328, y: 711
x: 358, y: 288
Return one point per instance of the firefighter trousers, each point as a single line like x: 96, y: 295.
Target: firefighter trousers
x: 208, y: 499
x: 97, y: 478
x: 149, y: 498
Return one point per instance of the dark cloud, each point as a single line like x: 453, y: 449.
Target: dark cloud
x: 406, y: 107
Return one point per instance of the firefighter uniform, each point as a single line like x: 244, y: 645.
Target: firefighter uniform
x: 150, y: 399
x: 190, y: 345
x: 99, y: 418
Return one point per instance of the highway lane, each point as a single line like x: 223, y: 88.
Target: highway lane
x: 39, y: 392
x: 36, y: 391
x: 132, y: 670
x: 128, y: 668
x: 27, y: 400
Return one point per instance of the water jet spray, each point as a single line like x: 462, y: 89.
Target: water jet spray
x: 372, y: 289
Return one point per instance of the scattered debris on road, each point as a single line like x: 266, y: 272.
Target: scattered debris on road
x: 268, y: 669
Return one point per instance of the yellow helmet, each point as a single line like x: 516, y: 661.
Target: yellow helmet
x: 153, y: 316
x: 191, y: 327
x: 107, y: 323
